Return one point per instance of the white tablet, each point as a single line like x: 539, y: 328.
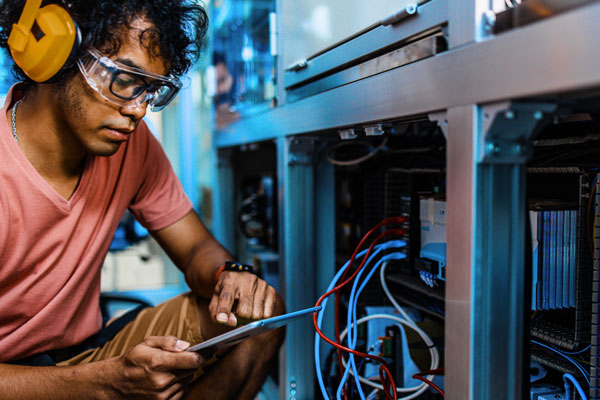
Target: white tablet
x: 209, y: 347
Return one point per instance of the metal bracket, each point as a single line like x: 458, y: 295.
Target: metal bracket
x: 507, y: 128
x: 347, y: 134
x: 374, y: 130
x: 442, y: 120
x: 301, y: 150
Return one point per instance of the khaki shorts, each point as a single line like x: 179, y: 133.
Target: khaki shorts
x: 177, y: 317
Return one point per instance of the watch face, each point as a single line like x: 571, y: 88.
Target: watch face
x: 238, y: 267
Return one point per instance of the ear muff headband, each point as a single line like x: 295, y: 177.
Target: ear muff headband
x: 43, y: 39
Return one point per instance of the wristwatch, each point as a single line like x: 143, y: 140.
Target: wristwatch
x: 234, y: 266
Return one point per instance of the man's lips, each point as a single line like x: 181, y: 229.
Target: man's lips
x: 119, y: 133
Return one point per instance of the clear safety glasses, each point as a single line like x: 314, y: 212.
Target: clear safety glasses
x: 124, y: 85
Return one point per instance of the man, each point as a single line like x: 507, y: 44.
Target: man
x: 224, y: 95
x: 75, y: 155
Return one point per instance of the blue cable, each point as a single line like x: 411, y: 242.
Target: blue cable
x: 576, y: 352
x: 352, y: 332
x: 576, y: 364
x: 568, y: 379
x: 394, y: 256
x: 350, y: 343
x: 320, y: 314
x: 351, y: 318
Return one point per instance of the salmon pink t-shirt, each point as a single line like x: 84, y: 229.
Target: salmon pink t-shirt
x: 52, y: 249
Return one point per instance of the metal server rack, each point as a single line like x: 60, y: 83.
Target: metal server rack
x: 473, y: 90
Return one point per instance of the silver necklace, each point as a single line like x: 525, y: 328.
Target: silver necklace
x: 13, y: 115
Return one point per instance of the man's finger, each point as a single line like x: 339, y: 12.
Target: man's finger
x: 176, y: 391
x: 246, y: 295
x: 212, y: 306
x: 270, y: 299
x: 259, y: 300
x: 168, y: 343
x: 168, y: 361
x: 226, y: 299
x: 170, y: 354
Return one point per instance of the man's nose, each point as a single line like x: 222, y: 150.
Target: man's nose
x: 134, y: 110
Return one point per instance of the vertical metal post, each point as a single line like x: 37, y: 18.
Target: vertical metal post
x: 499, y: 282
x: 461, y: 132
x: 224, y: 198
x: 297, y: 271
x: 485, y: 292
x: 325, y: 267
x: 465, y: 21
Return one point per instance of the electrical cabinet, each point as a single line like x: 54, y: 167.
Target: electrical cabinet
x: 464, y: 104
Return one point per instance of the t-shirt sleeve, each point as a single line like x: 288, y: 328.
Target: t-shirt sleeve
x: 160, y: 200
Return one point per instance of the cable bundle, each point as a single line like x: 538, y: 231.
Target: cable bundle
x: 388, y: 385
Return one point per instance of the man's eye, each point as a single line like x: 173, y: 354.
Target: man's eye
x: 124, y: 81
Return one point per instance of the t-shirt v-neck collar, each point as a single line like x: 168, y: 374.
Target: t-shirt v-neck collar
x: 25, y: 165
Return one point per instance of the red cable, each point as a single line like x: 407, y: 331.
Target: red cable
x: 335, y: 289
x: 337, y: 296
x: 382, y: 368
x: 389, y: 382
x: 427, y: 381
x: 420, y: 376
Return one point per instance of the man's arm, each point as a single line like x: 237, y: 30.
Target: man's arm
x: 20, y: 382
x: 197, y: 253
x: 157, y: 368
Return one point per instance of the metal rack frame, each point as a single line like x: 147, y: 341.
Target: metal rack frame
x: 474, y: 91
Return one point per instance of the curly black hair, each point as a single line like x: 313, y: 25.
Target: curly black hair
x: 177, y: 36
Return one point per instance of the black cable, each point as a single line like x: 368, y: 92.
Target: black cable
x: 326, y: 372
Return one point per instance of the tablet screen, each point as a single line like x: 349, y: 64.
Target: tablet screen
x: 209, y: 347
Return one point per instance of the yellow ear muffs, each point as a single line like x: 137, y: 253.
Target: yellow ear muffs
x: 43, y: 39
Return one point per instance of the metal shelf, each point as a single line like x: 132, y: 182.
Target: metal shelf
x: 554, y: 56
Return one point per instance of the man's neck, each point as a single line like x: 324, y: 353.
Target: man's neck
x: 45, y: 138
x: 47, y: 141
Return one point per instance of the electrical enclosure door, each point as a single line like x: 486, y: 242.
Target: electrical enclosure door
x: 313, y: 25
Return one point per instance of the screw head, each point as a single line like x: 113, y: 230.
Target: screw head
x: 493, y: 148
x: 519, y: 148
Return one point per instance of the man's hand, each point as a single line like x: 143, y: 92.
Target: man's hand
x: 255, y: 298
x: 158, y: 368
